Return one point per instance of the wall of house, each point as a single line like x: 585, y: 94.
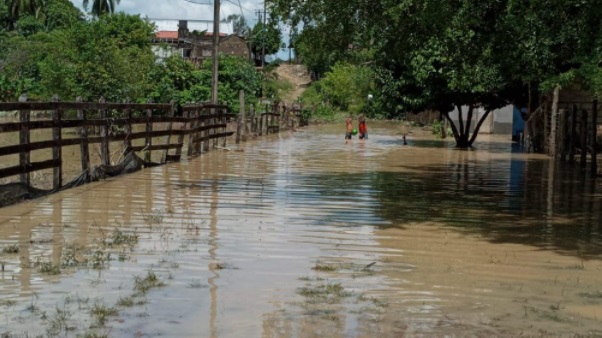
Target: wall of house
x: 163, y: 52
x: 499, y: 121
x: 234, y: 45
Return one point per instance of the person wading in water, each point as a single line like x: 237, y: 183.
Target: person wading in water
x: 349, y: 129
x: 363, y: 129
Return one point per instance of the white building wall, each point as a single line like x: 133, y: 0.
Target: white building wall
x: 499, y: 121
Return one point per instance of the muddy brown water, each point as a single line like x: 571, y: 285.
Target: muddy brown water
x: 301, y: 235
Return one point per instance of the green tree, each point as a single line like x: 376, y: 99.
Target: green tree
x: 101, y: 7
x: 346, y: 87
x: 21, y: 7
x: 239, y: 25
x: 268, y: 37
x: 443, y: 54
x: 61, y: 13
x: 109, y: 57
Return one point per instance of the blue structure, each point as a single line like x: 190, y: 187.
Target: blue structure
x: 518, y: 123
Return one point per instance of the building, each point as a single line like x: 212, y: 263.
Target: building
x: 505, y: 121
x: 196, y: 45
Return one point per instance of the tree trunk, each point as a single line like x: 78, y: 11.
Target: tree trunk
x: 462, y: 136
x: 453, y: 127
x: 468, y: 120
x: 478, y: 127
x: 460, y: 121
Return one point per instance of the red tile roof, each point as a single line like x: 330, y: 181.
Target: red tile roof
x: 167, y: 35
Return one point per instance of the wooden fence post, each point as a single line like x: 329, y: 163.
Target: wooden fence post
x: 204, y: 134
x: 57, y: 170
x: 253, y: 119
x: 224, y: 121
x: 563, y: 133
x: 214, y: 120
x: 583, y: 138
x: 261, y: 123
x: 572, y: 132
x: 193, y: 124
x: 149, y: 130
x: 170, y: 114
x: 593, y: 142
x: 241, y: 117
x: 83, y: 134
x: 128, y: 125
x: 104, y: 134
x: 183, y: 130
x: 24, y: 156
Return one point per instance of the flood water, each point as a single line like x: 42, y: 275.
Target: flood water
x: 302, y: 235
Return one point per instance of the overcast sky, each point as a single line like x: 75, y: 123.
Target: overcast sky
x: 193, y: 10
x: 190, y: 10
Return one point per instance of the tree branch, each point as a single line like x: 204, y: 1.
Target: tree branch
x: 453, y: 126
x: 460, y: 120
x: 469, y: 119
x: 478, y: 127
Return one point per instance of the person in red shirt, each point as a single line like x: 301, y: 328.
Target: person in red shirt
x: 363, y: 130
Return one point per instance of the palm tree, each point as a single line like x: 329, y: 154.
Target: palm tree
x: 100, y: 7
x: 19, y: 7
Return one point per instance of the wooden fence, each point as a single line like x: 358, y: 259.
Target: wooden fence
x: 203, y: 124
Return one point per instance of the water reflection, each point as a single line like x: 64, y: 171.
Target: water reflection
x: 528, y: 201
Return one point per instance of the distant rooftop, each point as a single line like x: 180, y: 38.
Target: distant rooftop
x: 166, y: 35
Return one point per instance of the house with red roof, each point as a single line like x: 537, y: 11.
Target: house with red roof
x: 196, y: 45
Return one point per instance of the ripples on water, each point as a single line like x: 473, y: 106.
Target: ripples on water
x: 409, y: 240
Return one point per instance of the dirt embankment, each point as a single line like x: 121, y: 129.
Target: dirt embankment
x: 298, y: 75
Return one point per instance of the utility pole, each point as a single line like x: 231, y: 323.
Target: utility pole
x: 214, y: 78
x: 265, y: 31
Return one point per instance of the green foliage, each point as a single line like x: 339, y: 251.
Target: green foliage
x: 101, y: 7
x: 347, y: 86
x: 109, y: 57
x: 179, y: 80
x: 58, y: 52
x: 268, y: 36
x: 344, y: 89
x: 439, y: 54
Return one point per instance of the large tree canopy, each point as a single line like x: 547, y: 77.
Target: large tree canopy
x: 441, y: 54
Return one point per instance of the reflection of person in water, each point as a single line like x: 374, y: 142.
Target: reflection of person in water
x: 349, y: 129
x: 363, y: 129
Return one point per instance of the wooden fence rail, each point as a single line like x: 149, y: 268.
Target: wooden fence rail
x: 202, y: 123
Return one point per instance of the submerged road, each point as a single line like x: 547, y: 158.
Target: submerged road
x: 302, y: 235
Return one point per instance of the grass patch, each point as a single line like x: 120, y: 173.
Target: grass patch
x: 377, y: 302
x: 11, y: 249
x: 151, y: 280
x: 324, y: 290
x: 596, y: 295
x: 118, y: 237
x: 99, y: 259
x: 59, y: 322
x: 102, y: 312
x: 325, y: 267
x: 47, y: 268
x: 156, y: 217
x: 126, y: 301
